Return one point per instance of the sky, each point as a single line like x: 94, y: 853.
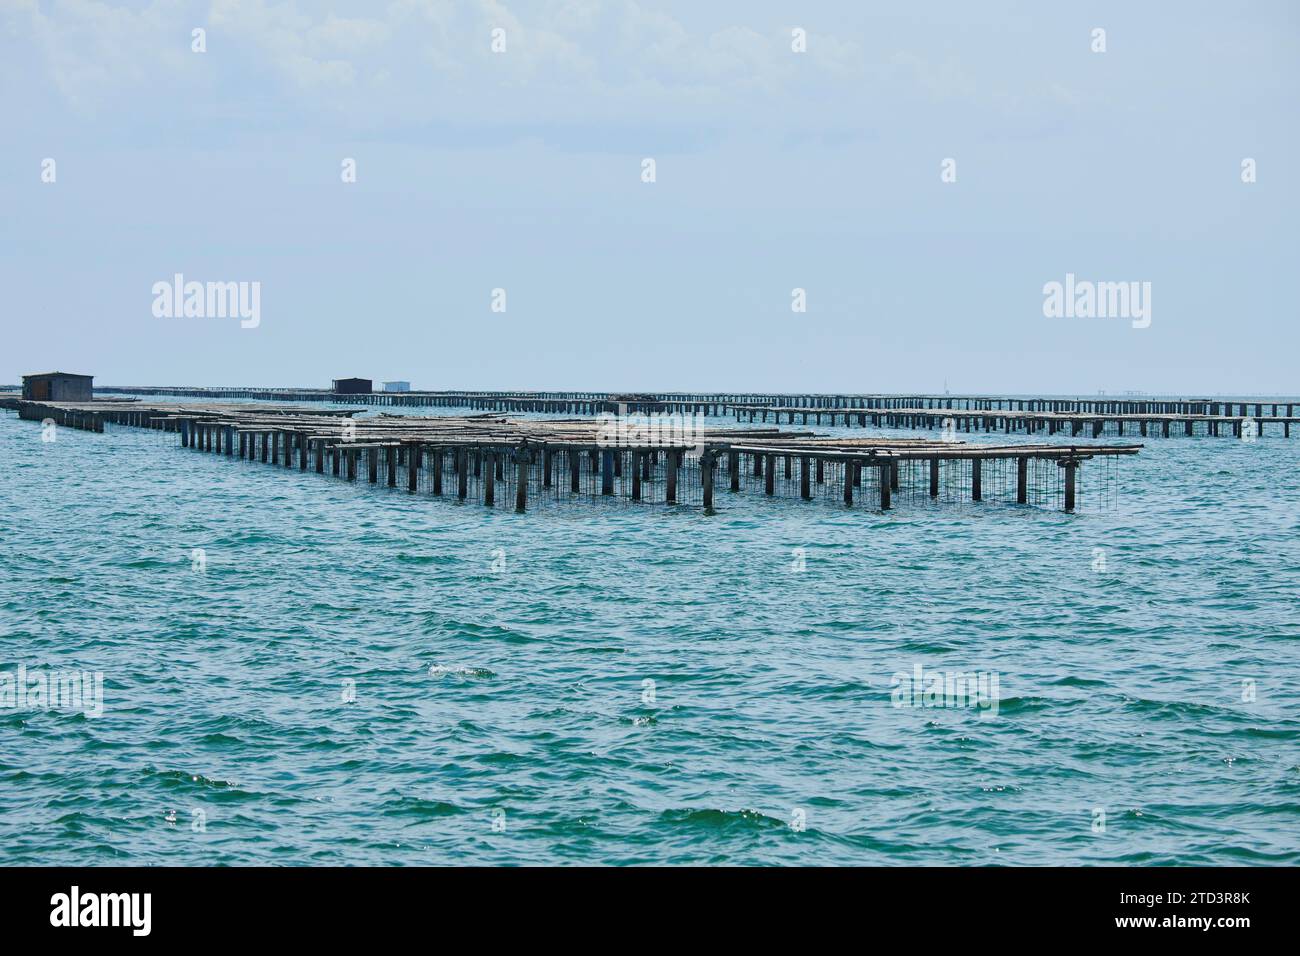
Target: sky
x: 522, y: 169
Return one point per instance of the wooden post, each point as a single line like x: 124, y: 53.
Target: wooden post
x: 521, y: 482
x: 821, y: 471
x: 413, y: 455
x: 607, y: 472
x: 976, y: 491
x: 302, y: 451
x: 636, y: 475
x: 320, y: 457
x: 849, y: 467
x: 885, y: 469
x: 1070, y: 467
x: 462, y: 473
x: 352, y: 464
x: 707, y: 462
x: 805, y: 489
x: 670, y: 470
x: 769, y: 475
x: 490, y: 480
x: 1022, y: 480
x: 733, y: 468
x: 575, y: 459
x: 372, y: 464
x: 547, y: 454
x: 934, y: 477
x: 893, y: 475
x: 435, y: 463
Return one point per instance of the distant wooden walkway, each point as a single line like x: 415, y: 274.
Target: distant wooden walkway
x: 1099, y: 415
x: 497, y: 460
x: 1007, y: 421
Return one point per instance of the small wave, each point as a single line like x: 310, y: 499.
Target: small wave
x: 1020, y: 705
x: 418, y: 807
x: 474, y: 631
x: 456, y: 670
x: 178, y: 778
x: 713, y: 819
x: 404, y: 557
x: 647, y: 720
x: 1174, y: 708
x: 1077, y: 682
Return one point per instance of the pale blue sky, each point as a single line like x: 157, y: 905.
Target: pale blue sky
x: 775, y: 170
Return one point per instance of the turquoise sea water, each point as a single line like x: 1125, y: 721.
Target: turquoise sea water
x: 503, y: 716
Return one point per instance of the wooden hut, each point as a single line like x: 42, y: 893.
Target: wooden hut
x: 58, y: 387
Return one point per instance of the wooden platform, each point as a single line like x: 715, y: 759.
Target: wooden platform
x: 1117, y: 415
x: 494, y: 458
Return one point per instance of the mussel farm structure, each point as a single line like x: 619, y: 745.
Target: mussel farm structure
x: 520, y: 463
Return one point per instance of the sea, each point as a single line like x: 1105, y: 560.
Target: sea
x: 289, y: 669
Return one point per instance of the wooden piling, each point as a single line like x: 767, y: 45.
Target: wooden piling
x: 521, y: 481
x: 707, y: 463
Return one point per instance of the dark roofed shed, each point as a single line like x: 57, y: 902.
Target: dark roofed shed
x: 58, y: 387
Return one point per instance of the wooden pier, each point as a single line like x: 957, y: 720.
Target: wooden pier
x: 501, y: 461
x: 1094, y: 423
x: 1142, y: 417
